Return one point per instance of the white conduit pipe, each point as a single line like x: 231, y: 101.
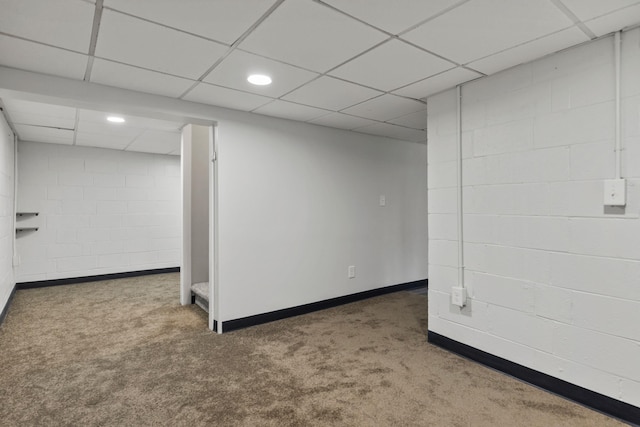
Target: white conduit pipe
x: 459, y: 187
x: 618, y: 120
x: 15, y: 199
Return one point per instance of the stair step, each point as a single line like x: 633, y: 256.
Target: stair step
x: 201, y: 293
x: 201, y: 289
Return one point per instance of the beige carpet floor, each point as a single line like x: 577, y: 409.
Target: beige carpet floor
x: 125, y: 353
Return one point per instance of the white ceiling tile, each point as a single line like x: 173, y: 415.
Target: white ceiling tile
x: 89, y: 126
x: 133, y: 41
x: 35, y: 113
x: 115, y: 142
x: 153, y: 141
x: 342, y: 121
x: 530, y: 51
x: 413, y: 120
x: 44, y: 134
x: 99, y: 118
x: 393, y: 131
x: 392, y: 16
x: 615, y: 21
x: 31, y: 56
x: 589, y: 9
x: 391, y: 65
x: 331, y: 94
x: 310, y: 35
x: 205, y: 93
x: 128, y: 77
x: 437, y: 83
x: 482, y: 27
x: 385, y: 107
x: 36, y: 109
x: 64, y: 23
x: 222, y: 20
x: 40, y: 120
x: 234, y: 70
x: 289, y: 110
x: 146, y: 123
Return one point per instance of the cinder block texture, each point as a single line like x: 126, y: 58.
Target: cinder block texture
x: 552, y: 275
x: 101, y: 211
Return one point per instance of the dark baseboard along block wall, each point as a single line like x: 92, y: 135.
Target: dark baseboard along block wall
x: 597, y: 401
x: 73, y: 280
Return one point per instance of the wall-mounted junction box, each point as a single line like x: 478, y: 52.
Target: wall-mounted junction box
x: 615, y: 192
x: 459, y: 296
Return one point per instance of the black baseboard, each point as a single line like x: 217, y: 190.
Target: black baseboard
x: 244, y: 322
x: 85, y: 279
x: 5, y: 310
x: 597, y: 401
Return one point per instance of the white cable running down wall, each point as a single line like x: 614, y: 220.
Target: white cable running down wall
x: 459, y: 186
x: 618, y: 125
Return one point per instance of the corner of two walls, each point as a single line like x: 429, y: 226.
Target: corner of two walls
x: 101, y: 211
x: 552, y: 275
x: 7, y: 218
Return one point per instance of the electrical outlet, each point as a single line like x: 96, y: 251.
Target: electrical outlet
x: 383, y: 200
x: 459, y: 296
x: 351, y: 271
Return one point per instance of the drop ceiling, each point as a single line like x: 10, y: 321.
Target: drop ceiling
x: 361, y: 65
x: 74, y: 126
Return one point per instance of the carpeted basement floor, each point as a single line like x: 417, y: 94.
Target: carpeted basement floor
x: 125, y: 353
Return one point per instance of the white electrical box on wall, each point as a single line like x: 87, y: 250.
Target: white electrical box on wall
x: 615, y: 192
x: 459, y: 296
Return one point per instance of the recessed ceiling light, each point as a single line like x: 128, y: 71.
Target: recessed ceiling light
x: 259, y: 79
x: 115, y: 119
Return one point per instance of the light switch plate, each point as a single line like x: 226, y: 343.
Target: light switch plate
x: 615, y: 192
x: 351, y: 271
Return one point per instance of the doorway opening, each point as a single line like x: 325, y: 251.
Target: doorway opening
x: 198, y: 284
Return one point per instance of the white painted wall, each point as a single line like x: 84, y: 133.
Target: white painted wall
x: 7, y: 215
x: 200, y: 203
x: 299, y: 203
x: 554, y: 277
x: 195, y: 208
x: 101, y: 211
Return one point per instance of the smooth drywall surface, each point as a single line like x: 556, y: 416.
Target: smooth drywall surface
x: 554, y: 276
x: 101, y: 211
x: 298, y: 204
x: 7, y: 232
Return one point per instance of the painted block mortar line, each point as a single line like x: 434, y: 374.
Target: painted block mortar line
x: 556, y: 252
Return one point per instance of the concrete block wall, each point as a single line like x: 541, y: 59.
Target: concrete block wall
x: 7, y: 187
x: 101, y: 211
x: 553, y: 275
